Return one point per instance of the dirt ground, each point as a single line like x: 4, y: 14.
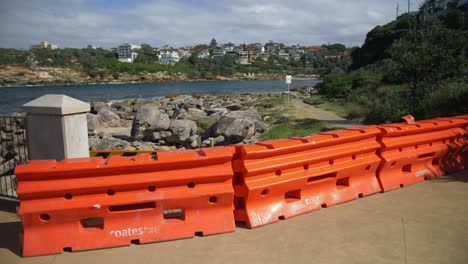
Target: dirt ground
x: 423, y: 223
x: 304, y: 110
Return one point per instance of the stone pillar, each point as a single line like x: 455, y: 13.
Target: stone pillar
x: 57, y: 127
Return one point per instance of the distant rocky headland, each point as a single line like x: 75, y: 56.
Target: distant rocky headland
x: 22, y: 76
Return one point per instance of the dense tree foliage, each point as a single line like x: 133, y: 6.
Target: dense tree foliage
x: 380, y: 39
x: 146, y: 54
x: 335, y: 47
x: 417, y: 64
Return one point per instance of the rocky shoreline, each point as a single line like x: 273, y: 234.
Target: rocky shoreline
x: 36, y: 76
x: 178, y: 122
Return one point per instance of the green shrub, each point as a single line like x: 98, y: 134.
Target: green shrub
x: 355, y: 111
x: 449, y: 100
x: 365, y: 79
x: 390, y: 107
x: 335, y: 86
x: 205, y: 123
x: 314, y: 100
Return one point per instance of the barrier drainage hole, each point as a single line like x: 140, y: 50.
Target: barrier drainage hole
x: 281, y: 217
x: 152, y: 188
x: 67, y: 249
x: 278, y: 173
x: 191, y: 185
x: 176, y: 214
x: 331, y: 162
x: 360, y: 195
x: 199, y: 234
x: 264, y: 192
x: 393, y: 164
x: 306, y: 167
x: 68, y: 196
x: 324, y: 205
x: 402, y: 185
x: 44, y: 217
x: 135, y: 242
x: 213, y: 199
x: 368, y: 168
x: 110, y: 192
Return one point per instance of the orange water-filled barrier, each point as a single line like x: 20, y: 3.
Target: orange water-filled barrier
x: 81, y: 204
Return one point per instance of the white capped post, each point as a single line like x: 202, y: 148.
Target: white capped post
x: 57, y: 127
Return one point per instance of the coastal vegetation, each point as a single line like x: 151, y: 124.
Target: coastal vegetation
x: 102, y: 64
x: 417, y: 64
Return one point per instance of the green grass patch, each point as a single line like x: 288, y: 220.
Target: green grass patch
x: 296, y: 128
x: 205, y: 123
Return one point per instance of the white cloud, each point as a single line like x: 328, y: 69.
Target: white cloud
x: 76, y: 23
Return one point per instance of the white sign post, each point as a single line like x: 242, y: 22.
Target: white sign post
x: 288, y: 82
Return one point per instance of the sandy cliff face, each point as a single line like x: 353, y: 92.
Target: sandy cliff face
x: 14, y: 75
x: 19, y: 76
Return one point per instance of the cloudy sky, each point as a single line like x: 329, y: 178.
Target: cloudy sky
x: 107, y: 23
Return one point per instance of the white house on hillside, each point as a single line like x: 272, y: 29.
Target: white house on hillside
x: 169, y: 57
x: 126, y: 52
x: 203, y: 54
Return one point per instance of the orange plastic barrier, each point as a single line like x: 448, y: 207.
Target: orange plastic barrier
x: 283, y: 178
x: 457, y: 156
x: 421, y: 150
x: 81, y: 204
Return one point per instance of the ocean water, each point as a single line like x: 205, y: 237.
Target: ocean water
x: 11, y: 98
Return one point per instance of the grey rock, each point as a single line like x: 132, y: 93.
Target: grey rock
x: 194, y: 141
x: 191, y: 103
x: 94, y: 122
x: 127, y: 109
x: 96, y: 107
x: 164, y: 148
x: 221, y: 111
x: 238, y: 125
x: 181, y: 130
x: 143, y: 145
x: 149, y: 119
x: 234, y: 107
x: 110, y: 143
x: 260, y: 126
x: 195, y: 114
x: 219, y: 140
x: 109, y: 118
x: 161, y: 135
x: 124, y: 115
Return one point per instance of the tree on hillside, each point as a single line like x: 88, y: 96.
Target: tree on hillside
x: 146, y: 55
x: 427, y: 57
x: 380, y: 39
x: 335, y: 47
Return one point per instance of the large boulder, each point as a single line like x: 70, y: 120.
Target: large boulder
x: 182, y: 130
x: 195, y: 114
x: 109, y: 143
x: 96, y: 107
x: 94, y: 122
x: 149, y: 119
x: 238, y: 126
x: 109, y: 118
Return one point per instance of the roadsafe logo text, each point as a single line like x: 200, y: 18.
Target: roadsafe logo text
x: 422, y: 173
x: 134, y: 231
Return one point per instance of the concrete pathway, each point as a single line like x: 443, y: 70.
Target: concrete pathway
x: 423, y: 223
x: 310, y: 111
